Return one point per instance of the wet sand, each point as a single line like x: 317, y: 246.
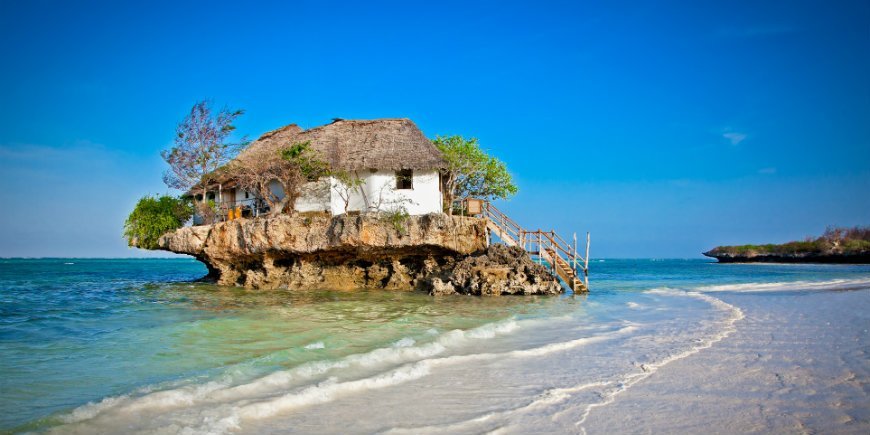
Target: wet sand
x: 797, y: 363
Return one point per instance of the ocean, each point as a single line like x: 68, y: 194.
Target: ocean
x: 689, y: 346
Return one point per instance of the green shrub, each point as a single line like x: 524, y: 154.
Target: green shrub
x: 153, y: 217
x: 398, y: 218
x: 306, y: 159
x: 856, y: 246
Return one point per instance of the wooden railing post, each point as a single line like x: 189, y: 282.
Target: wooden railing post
x: 574, y: 257
x: 586, y: 262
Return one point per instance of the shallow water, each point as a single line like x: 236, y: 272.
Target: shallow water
x: 106, y: 345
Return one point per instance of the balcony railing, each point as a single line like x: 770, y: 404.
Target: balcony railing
x: 229, y: 210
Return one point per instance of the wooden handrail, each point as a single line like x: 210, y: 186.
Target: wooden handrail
x: 553, y: 240
x: 542, y: 240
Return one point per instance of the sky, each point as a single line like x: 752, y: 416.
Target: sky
x: 663, y: 128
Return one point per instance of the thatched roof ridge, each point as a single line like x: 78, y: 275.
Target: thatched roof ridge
x: 351, y: 145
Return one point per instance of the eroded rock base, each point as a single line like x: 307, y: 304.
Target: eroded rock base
x: 436, y: 253
x: 498, y: 270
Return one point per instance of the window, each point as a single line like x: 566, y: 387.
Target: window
x: 405, y: 179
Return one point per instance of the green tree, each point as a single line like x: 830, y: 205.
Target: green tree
x: 309, y: 163
x: 471, y: 172
x: 153, y: 217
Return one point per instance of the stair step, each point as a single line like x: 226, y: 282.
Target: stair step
x: 503, y: 228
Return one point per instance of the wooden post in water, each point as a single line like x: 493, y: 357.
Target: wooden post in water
x: 574, y: 258
x: 555, y: 249
x: 586, y: 263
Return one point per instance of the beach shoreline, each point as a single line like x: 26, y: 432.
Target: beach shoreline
x: 797, y: 365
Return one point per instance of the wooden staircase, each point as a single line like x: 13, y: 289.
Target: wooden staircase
x: 560, y: 257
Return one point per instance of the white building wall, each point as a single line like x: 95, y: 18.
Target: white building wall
x: 380, y: 193
x: 426, y: 194
x: 356, y: 199
x: 315, y: 196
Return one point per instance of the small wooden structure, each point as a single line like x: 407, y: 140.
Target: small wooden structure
x: 560, y: 256
x: 474, y: 206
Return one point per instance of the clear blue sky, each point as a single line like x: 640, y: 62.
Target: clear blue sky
x: 664, y: 128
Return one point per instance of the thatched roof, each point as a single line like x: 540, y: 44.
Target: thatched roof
x: 351, y: 145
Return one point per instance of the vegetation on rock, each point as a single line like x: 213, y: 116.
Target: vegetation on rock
x: 471, y: 172
x: 398, y: 218
x: 303, y: 157
x: 154, y: 216
x: 835, y: 241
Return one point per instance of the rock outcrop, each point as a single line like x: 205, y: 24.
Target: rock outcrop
x: 436, y: 253
x: 724, y: 256
x: 840, y: 245
x: 500, y: 270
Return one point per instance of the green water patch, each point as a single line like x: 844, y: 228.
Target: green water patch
x: 127, y: 338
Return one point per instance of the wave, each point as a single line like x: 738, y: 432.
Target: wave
x: 601, y: 392
x: 271, y: 394
x: 406, y: 360
x: 549, y: 397
x: 729, y: 326
x: 222, y: 390
x: 835, y: 284
x: 315, y: 345
x: 330, y: 389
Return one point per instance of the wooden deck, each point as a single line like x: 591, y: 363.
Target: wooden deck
x: 560, y: 257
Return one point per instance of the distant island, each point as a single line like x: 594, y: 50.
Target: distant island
x: 836, y: 245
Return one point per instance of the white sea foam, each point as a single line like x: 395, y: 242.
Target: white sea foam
x: 402, y: 351
x: 835, y: 284
x: 327, y: 391
x: 405, y: 342
x: 547, y: 404
x: 268, y: 395
x: 330, y: 390
x: 547, y: 398
x: 315, y: 345
x: 221, y: 406
x: 550, y: 396
x: 610, y: 394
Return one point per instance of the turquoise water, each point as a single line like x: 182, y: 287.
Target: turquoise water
x: 89, y: 345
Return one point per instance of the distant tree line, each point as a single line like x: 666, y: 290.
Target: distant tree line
x: 835, y: 240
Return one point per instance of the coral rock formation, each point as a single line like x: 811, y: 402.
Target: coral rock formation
x: 437, y: 253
